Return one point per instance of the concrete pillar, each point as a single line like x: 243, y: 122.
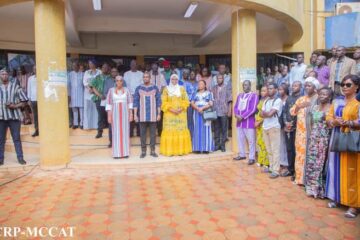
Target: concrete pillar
x: 50, y: 46
x: 244, y: 51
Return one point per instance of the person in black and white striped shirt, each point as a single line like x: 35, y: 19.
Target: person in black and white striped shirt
x: 12, y: 98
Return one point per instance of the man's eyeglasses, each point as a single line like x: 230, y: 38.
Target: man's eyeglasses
x: 348, y: 85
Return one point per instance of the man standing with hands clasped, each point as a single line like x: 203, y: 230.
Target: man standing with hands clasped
x: 147, y: 103
x: 100, y: 87
x: 244, y: 110
x: 223, y: 107
x: 271, y: 128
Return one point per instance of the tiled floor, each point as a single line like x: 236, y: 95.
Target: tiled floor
x: 215, y: 200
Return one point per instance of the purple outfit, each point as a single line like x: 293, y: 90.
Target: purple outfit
x: 245, y: 107
x: 323, y: 75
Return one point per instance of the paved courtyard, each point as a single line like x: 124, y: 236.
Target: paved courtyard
x: 214, y: 200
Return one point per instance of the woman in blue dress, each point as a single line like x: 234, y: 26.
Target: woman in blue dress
x: 202, y: 138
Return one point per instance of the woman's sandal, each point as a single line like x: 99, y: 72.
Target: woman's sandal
x: 351, y: 213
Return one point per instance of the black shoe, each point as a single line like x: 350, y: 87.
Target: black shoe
x: 216, y: 149
x: 21, y: 161
x: 98, y: 135
x: 74, y: 127
x: 81, y: 127
x: 251, y: 162
x: 239, y: 158
x: 70, y: 126
x: 143, y: 155
x: 153, y: 154
x: 110, y: 145
x: 35, y: 134
x: 1, y: 162
x: 293, y: 178
x: 223, y: 149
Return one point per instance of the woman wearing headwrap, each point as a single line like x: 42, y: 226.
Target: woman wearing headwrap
x: 90, y: 112
x: 301, y: 109
x: 175, y: 137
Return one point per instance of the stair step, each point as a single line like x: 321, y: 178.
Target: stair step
x: 87, y: 140
x: 98, y: 149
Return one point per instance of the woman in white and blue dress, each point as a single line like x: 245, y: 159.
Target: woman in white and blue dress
x: 90, y: 112
x: 119, y: 104
x: 202, y: 138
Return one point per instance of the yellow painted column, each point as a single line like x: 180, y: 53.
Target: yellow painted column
x: 304, y: 44
x: 50, y: 46
x: 140, y: 60
x: 202, y: 59
x: 244, y: 51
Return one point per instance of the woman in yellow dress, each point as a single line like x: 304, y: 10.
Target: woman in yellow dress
x: 175, y: 137
x: 262, y: 158
x: 343, y: 172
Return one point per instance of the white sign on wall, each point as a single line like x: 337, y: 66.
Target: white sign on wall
x: 247, y: 74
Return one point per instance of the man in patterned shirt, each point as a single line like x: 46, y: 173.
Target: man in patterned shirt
x: 12, y: 98
x: 147, y: 103
x: 223, y: 107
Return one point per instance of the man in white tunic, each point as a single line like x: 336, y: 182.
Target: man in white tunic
x: 133, y: 78
x: 76, y: 89
x: 90, y: 112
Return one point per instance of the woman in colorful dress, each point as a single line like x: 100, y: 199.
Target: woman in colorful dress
x: 90, y: 112
x: 318, y: 146
x: 300, y: 109
x: 175, y: 137
x: 119, y: 104
x: 343, y: 173
x: 262, y: 158
x: 202, y: 141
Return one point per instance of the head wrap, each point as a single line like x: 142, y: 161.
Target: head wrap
x: 313, y: 81
x: 166, y: 63
x: 174, y: 89
x: 161, y: 59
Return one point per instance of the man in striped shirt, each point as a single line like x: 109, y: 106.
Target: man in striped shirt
x: 244, y: 110
x: 223, y: 107
x: 147, y: 103
x: 12, y: 98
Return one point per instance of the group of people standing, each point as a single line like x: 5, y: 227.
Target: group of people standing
x: 174, y: 106
x: 294, y: 122
x: 288, y: 129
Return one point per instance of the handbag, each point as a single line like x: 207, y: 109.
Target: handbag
x: 353, y: 143
x: 209, y: 115
x: 346, y: 141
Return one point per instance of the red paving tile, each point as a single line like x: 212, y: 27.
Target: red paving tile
x: 216, y: 200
